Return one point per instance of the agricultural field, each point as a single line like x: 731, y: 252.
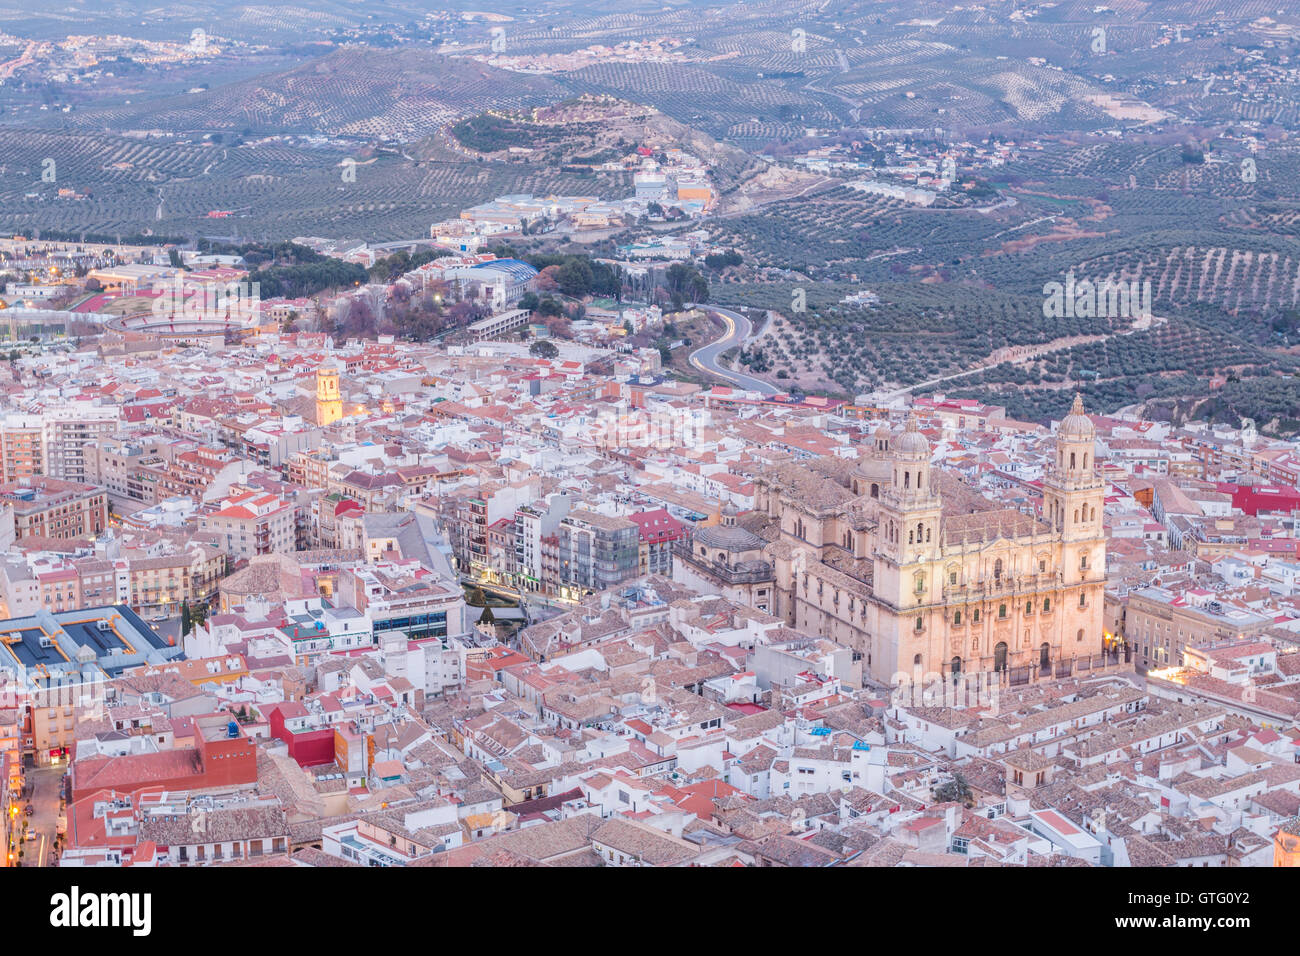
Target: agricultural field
x: 266, y: 190
x: 961, y: 293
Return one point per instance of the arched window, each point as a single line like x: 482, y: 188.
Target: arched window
x: 919, y: 624
x: 916, y: 661
x: 920, y: 582
x: 1071, y: 460
x: 1029, y: 607
x: 997, y: 570
x: 1047, y: 604
x: 1092, y: 514
x: 1000, y: 656
x: 1076, y: 515
x: 956, y: 617
x: 909, y: 538
x: 1079, y: 637
x: 1002, y: 611
x: 907, y: 479
x: 875, y: 490
x: 955, y: 664
x: 920, y: 530
x: 1045, y: 657
x: 975, y: 615
x: 1085, y: 459
x: 927, y: 535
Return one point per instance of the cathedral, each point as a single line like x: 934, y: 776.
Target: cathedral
x: 919, y: 573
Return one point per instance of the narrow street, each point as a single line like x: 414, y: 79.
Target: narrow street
x: 44, y: 784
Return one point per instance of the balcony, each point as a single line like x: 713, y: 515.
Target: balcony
x: 749, y: 572
x: 1003, y: 587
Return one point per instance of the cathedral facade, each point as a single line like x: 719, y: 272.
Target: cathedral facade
x: 920, y: 574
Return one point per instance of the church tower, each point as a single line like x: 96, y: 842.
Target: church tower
x: 1073, y: 498
x: 329, y: 400
x: 908, y: 534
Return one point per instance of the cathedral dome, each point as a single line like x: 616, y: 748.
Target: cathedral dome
x: 1076, y: 426
x: 913, y: 444
x: 729, y: 512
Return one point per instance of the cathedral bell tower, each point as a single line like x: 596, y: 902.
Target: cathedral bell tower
x: 1074, y: 496
x: 1072, y: 489
x: 908, y: 535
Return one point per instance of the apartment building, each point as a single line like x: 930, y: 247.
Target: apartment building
x: 657, y: 532
x: 60, y: 442
x: 72, y: 436
x: 130, y: 467
x: 252, y: 523
x: 21, y: 447
x: 534, y: 525
x: 596, y: 551
x: 405, y: 596
x: 54, y: 508
x: 1160, y: 625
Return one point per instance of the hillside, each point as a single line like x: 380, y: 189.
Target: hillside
x: 352, y: 91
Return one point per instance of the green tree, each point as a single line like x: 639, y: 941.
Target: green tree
x: 955, y: 790
x: 685, y: 284
x: 543, y: 349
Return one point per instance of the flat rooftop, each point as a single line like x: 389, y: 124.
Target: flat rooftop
x: 52, y: 639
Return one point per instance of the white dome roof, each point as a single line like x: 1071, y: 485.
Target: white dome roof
x: 1077, y: 426
x: 913, y: 443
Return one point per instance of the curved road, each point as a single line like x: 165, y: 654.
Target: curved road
x: 705, y: 358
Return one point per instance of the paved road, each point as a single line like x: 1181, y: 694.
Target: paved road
x: 45, y: 786
x: 706, y: 358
